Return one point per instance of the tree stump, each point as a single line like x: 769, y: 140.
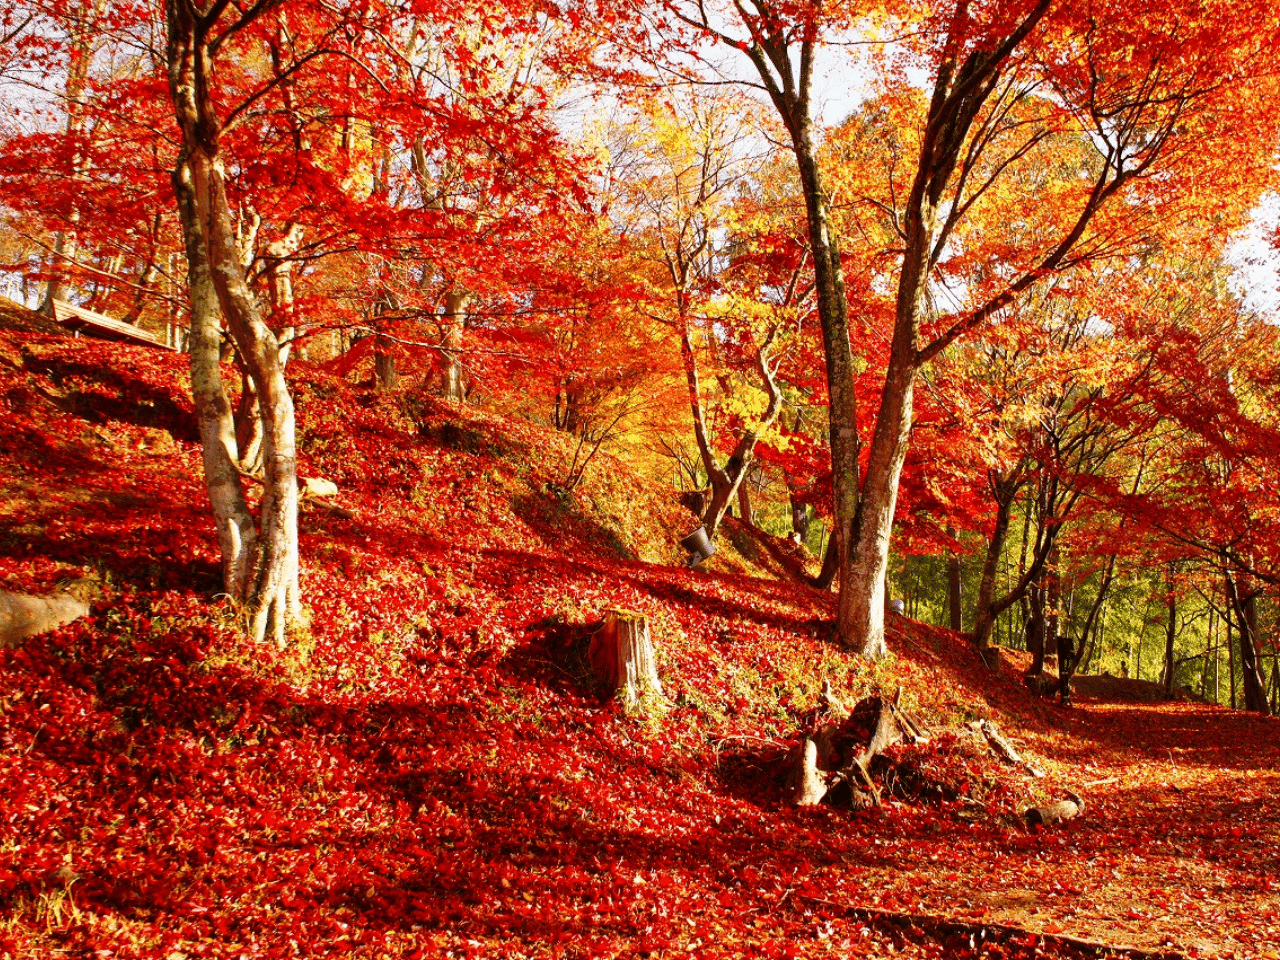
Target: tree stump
x: 832, y: 754
x: 622, y: 658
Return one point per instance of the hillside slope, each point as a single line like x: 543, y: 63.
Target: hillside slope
x: 428, y: 771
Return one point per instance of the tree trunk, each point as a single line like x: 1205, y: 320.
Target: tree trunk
x: 1245, y: 602
x: 566, y: 416
x: 744, y: 503
x: 84, y: 28
x: 279, y: 258
x: 861, y: 610
x: 787, y: 79
x: 1035, y: 631
x: 842, y: 410
x: 1231, y: 619
x: 270, y: 599
x: 454, y: 323
x: 1066, y: 666
x: 1170, y: 634
x: 724, y: 487
x: 986, y: 610
x: 385, y: 374
x: 1210, y: 647
x: 1091, y: 632
x: 953, y: 586
x: 830, y: 566
x: 1052, y: 600
x: 248, y: 417
x: 727, y: 481
x: 622, y: 657
x: 799, y: 519
x: 237, y: 535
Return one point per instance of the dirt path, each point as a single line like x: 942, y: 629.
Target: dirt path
x: 1179, y: 847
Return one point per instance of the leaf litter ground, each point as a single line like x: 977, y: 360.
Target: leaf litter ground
x: 425, y: 772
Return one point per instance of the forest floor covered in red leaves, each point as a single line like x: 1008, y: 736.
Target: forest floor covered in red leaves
x: 426, y: 772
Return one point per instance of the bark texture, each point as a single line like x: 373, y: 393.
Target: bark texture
x: 622, y: 657
x: 237, y: 534
x: 269, y: 595
x: 453, y: 325
x: 839, y: 748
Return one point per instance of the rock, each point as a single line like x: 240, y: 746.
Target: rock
x: 22, y: 615
x: 309, y: 487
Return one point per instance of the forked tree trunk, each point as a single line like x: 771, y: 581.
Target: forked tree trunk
x: 961, y: 88
x: 726, y: 481
x: 270, y: 595
x: 622, y: 657
x: 271, y: 600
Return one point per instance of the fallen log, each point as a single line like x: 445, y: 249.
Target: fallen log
x: 1003, y: 748
x: 23, y: 615
x: 998, y: 742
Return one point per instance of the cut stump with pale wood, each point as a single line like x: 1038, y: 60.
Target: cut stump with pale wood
x: 623, y: 659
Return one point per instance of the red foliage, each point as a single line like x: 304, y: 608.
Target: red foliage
x: 421, y: 776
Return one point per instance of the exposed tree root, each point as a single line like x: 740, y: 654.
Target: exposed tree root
x: 955, y: 935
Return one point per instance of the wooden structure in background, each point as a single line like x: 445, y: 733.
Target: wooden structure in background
x: 80, y: 320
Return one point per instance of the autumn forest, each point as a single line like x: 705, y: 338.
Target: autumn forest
x: 609, y: 478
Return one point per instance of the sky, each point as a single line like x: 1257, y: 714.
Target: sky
x: 1257, y: 262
